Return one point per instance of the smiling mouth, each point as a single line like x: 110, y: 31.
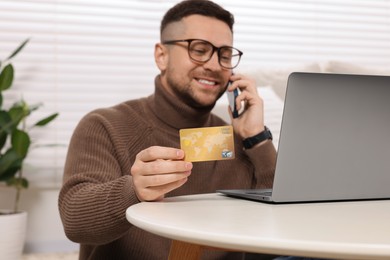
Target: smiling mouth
x: 207, y: 82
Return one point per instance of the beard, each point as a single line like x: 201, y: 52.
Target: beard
x: 186, y: 92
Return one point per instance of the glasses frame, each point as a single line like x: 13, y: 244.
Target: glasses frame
x: 215, y: 49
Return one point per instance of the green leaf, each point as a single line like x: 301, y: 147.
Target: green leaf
x: 6, y: 77
x: 1, y: 100
x: 20, y: 142
x: 5, y: 122
x: 21, y: 104
x: 17, y: 113
x: 4, y: 130
x: 9, y: 173
x: 10, y: 163
x: 18, y: 182
x: 27, y: 109
x: 46, y: 120
x: 25, y: 183
x: 31, y: 108
x: 18, y: 49
x: 3, y: 139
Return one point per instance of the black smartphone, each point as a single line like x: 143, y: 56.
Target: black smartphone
x: 232, y: 95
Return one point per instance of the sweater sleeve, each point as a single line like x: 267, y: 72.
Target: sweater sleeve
x: 263, y: 158
x: 97, y: 186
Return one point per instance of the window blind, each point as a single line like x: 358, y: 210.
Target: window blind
x: 88, y: 54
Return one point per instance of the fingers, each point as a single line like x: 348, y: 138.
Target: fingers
x: 251, y: 119
x: 155, y: 193
x: 160, y: 160
x: 159, y: 152
x: 243, y: 83
x: 248, y: 95
x: 158, y: 170
x: 163, y: 178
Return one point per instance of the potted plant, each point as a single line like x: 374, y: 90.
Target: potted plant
x: 15, y: 143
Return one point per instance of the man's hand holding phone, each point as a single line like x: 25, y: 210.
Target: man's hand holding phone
x: 247, y: 114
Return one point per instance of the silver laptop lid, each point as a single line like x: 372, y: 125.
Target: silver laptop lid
x: 335, y: 138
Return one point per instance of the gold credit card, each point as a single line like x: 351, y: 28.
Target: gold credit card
x: 207, y: 143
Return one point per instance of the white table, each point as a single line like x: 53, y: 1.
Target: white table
x: 347, y: 230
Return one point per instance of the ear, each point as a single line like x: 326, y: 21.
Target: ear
x: 161, y: 56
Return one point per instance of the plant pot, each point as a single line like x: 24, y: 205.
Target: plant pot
x: 12, y: 234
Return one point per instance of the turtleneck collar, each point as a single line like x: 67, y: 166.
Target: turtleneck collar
x: 172, y: 111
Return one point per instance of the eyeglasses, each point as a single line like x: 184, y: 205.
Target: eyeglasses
x: 201, y: 51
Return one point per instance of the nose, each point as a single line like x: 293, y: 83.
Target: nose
x: 213, y: 63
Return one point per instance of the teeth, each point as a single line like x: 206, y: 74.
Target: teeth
x: 203, y: 81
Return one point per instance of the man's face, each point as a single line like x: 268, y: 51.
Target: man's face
x: 196, y: 84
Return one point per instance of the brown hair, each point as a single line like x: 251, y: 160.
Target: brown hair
x: 200, y: 7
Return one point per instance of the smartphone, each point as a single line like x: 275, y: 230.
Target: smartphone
x: 232, y: 95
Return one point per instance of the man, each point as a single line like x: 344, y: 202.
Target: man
x: 129, y: 153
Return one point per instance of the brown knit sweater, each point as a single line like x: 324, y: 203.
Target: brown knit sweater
x: 97, y: 186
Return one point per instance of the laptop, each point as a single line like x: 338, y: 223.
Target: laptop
x: 334, y: 142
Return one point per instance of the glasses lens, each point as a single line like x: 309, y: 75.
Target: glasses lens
x: 200, y: 51
x: 229, y: 57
